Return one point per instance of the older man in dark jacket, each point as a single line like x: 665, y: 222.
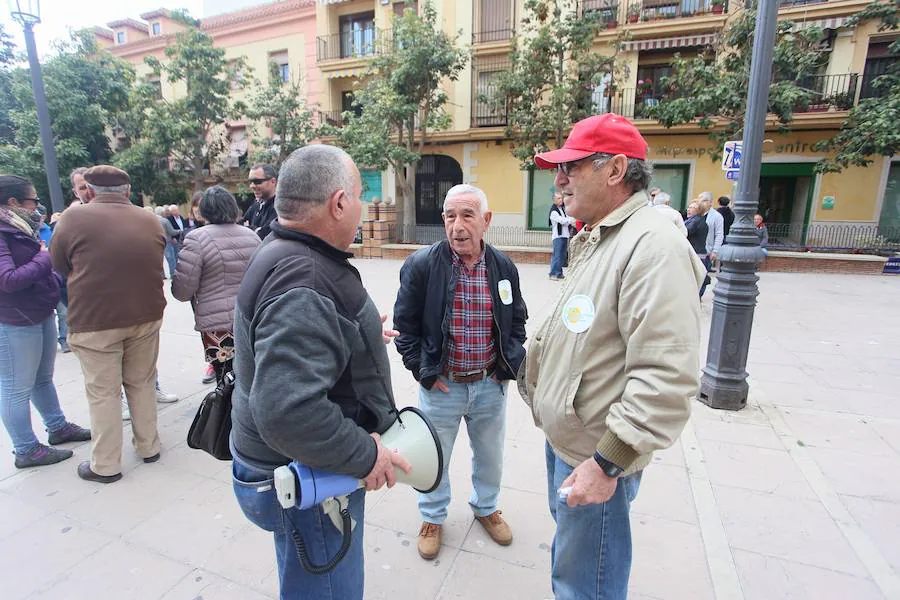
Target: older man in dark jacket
x: 461, y: 319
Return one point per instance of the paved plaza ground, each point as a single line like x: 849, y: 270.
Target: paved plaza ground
x: 797, y: 496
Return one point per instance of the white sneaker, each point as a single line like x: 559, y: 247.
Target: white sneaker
x: 126, y: 414
x: 164, y: 398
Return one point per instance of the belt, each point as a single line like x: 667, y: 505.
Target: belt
x: 469, y: 376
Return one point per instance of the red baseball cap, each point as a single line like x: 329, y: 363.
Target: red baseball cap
x: 607, y: 133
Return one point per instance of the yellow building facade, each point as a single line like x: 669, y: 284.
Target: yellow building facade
x: 327, y: 44
x: 474, y: 150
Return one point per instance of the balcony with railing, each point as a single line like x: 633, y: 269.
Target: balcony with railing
x: 494, y: 35
x: 606, y: 11
x: 791, y: 3
x: 656, y: 10
x: 829, y: 91
x: 627, y: 102
x: 494, y: 21
x: 485, y: 111
x: 359, y: 43
x: 334, y: 118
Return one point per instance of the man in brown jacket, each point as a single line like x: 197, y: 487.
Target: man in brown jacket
x: 111, y: 252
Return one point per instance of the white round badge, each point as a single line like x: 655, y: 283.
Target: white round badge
x: 578, y: 313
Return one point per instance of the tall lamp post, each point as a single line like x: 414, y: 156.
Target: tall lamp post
x: 724, y: 381
x: 28, y: 13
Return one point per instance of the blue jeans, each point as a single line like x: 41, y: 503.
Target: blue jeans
x: 171, y: 257
x: 560, y: 245
x: 483, y: 405
x: 27, y: 355
x: 62, y: 320
x: 591, y: 554
x: 255, y: 493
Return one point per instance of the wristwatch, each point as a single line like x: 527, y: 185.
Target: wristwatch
x: 611, y: 470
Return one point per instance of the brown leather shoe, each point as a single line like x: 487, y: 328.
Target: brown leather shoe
x: 430, y: 540
x: 497, y: 528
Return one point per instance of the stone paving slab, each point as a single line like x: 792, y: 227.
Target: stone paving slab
x: 797, y: 496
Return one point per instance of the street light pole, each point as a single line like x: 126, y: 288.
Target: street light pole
x: 724, y: 381
x: 27, y: 17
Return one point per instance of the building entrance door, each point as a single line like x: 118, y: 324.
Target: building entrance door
x: 785, y: 201
x: 435, y: 175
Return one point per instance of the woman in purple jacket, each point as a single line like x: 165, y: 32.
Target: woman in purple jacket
x: 29, y: 292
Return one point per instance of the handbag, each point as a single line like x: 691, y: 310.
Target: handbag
x: 212, y: 424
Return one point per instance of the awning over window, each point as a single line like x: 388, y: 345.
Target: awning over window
x: 684, y: 41
x: 832, y: 23
x: 355, y: 72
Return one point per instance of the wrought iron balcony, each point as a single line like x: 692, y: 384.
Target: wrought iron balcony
x: 830, y: 91
x: 359, y: 43
x: 606, y: 10
x: 788, y: 3
x: 655, y: 10
x: 331, y: 117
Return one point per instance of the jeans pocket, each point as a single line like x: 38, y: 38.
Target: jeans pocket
x: 258, y: 502
x: 632, y: 483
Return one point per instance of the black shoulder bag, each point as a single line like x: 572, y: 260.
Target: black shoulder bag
x: 212, y: 424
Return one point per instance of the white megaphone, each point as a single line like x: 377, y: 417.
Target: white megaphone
x: 302, y: 487
x: 412, y: 436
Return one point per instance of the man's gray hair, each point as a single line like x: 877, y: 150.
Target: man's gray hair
x: 309, y: 177
x: 77, y: 171
x: 110, y: 189
x: 706, y: 197
x: 464, y: 188
x: 159, y: 211
x: 638, y: 173
x: 661, y: 198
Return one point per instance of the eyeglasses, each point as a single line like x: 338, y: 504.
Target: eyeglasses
x: 36, y: 200
x: 566, y: 167
x: 258, y: 181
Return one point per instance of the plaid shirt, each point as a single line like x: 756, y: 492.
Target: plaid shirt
x: 472, y: 321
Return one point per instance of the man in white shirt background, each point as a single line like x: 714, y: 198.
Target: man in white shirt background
x: 662, y: 202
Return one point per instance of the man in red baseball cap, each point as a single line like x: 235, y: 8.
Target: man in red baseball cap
x: 626, y: 331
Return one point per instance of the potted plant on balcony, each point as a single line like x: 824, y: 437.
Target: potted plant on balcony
x: 841, y: 101
x: 718, y: 6
x: 634, y: 13
x: 645, y: 87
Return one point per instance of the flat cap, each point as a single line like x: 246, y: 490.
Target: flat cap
x: 106, y: 176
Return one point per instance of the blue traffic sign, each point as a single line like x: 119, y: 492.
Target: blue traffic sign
x: 732, y: 175
x: 731, y: 156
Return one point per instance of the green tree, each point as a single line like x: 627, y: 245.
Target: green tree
x: 281, y: 108
x: 553, y: 73
x: 401, y: 101
x: 711, y: 89
x: 7, y: 52
x: 188, y: 130
x: 871, y: 127
x: 86, y: 89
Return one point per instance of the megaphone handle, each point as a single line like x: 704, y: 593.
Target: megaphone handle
x: 331, y: 564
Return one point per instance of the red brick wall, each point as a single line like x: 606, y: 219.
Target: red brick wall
x: 536, y: 256
x: 781, y: 264
x: 785, y: 264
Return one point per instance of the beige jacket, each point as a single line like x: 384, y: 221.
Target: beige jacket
x: 615, y: 365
